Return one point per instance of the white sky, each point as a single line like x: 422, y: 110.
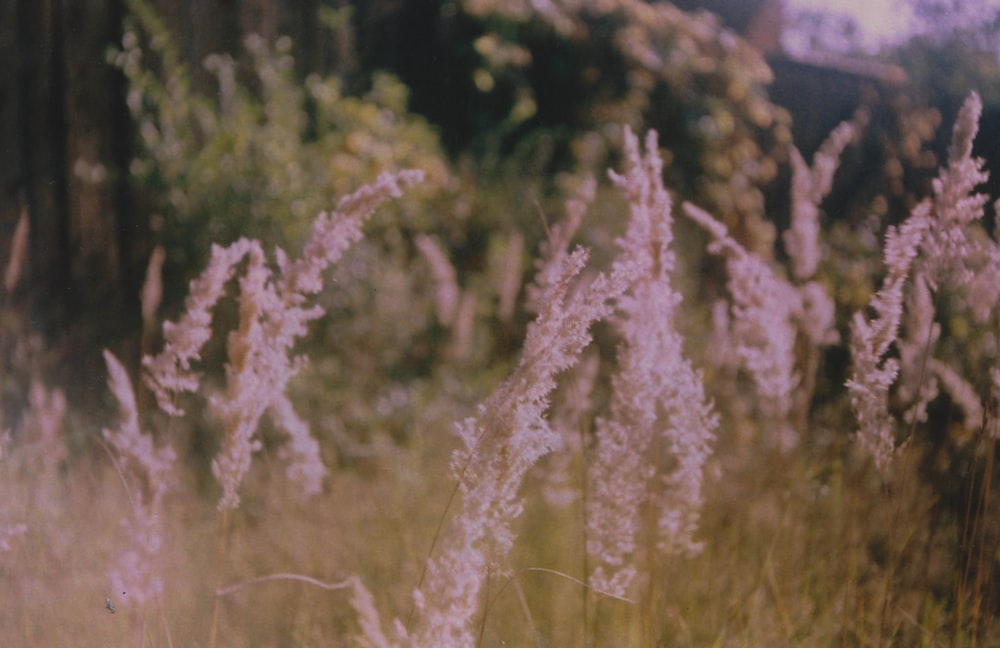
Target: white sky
x: 880, y: 21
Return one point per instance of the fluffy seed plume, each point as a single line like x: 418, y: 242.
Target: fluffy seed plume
x: 955, y: 205
x: 148, y: 468
x: 872, y: 373
x: 501, y: 443
x: 937, y: 241
x: 274, y: 313
x: 445, y: 279
x: 657, y: 395
x: 810, y: 184
x: 765, y: 312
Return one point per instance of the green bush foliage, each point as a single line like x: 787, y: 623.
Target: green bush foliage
x: 261, y: 152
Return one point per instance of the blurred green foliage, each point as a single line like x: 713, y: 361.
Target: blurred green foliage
x: 571, y: 75
x: 266, y: 152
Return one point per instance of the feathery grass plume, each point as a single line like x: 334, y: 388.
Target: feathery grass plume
x: 916, y: 386
x: 445, y: 280
x: 302, y: 451
x: 962, y: 393
x: 947, y: 246
x: 818, y: 319
x: 953, y: 254
x: 273, y: 315
x: 656, y: 392
x: 137, y: 572
x: 256, y: 374
x: 765, y: 312
x: 872, y: 373
x: 556, y: 246
x: 138, y: 450
x: 937, y: 231
x: 984, y: 287
x: 507, y: 436
x: 810, y: 184
x: 168, y: 374
x: 921, y: 376
x: 569, y: 421
x: 44, y: 418
x: 334, y: 233
x: 370, y: 624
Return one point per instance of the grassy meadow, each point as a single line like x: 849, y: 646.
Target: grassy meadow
x: 585, y: 390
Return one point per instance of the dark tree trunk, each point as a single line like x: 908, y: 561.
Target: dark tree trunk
x: 65, y: 137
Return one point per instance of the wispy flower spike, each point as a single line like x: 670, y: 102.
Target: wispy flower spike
x: 948, y: 246
x: 809, y: 186
x: 765, y: 312
x: 445, y: 279
x: 935, y: 239
x: 656, y: 393
x: 501, y: 443
x: 872, y: 373
x: 148, y: 468
x: 273, y: 315
x: 169, y: 374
